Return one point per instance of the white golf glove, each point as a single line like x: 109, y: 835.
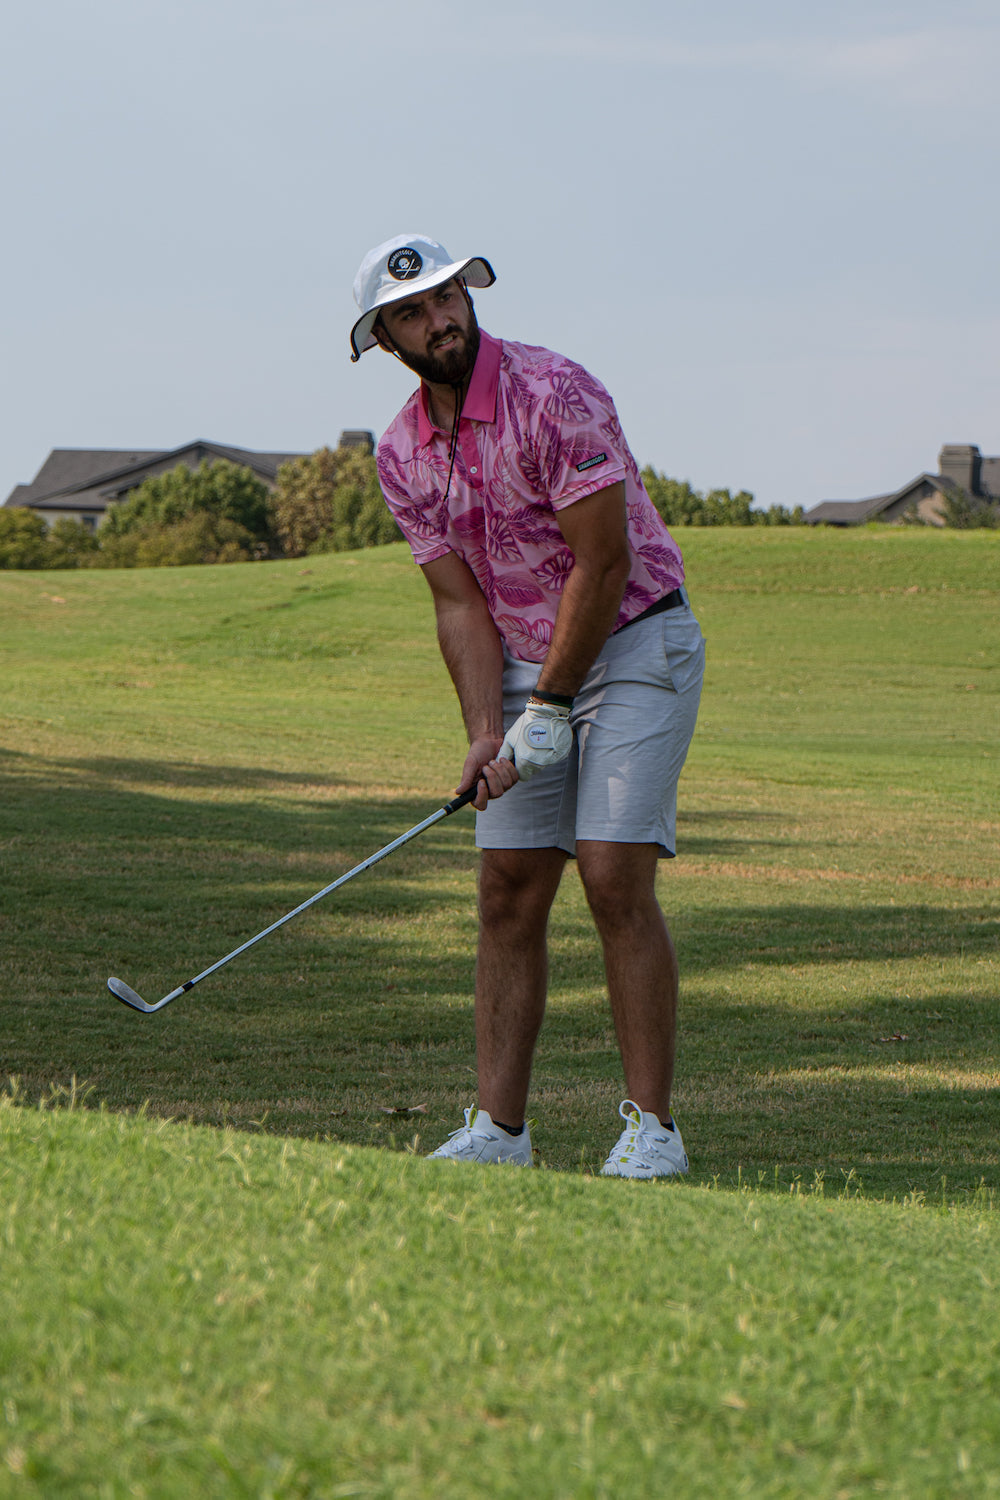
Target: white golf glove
x: 540, y: 737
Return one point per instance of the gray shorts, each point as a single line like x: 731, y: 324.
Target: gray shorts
x: 633, y: 720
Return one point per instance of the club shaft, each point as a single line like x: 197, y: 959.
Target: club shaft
x: 366, y: 864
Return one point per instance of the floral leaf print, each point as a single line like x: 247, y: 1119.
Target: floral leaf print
x: 557, y: 568
x: 424, y: 521
x: 611, y: 425
x: 518, y: 592
x: 501, y: 543
x: 547, y: 461
x: 521, y: 395
x: 590, y: 386
x: 643, y: 521
x: 508, y: 420
x: 565, y: 401
x: 531, y: 469
x: 535, y: 526
x: 660, y: 562
x: 471, y: 524
x: 391, y: 471
x: 532, y: 636
x: 636, y: 594
x: 486, y: 579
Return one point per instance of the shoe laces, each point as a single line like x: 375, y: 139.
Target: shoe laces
x: 635, y: 1137
x: 466, y: 1129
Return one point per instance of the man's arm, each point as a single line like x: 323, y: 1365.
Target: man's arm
x: 470, y: 645
x: 595, y: 532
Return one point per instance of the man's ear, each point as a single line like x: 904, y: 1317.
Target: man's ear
x: 382, y: 338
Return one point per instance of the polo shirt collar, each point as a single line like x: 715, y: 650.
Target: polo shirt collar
x: 481, y: 397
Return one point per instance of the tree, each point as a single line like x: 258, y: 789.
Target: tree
x: 724, y: 509
x: 198, y: 537
x: 967, y: 512
x: 222, y: 491
x: 675, y: 500
x: 330, y: 501
x: 680, y: 505
x: 23, y: 539
x: 70, y: 545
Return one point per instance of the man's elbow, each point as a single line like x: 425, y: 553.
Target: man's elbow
x: 610, y: 571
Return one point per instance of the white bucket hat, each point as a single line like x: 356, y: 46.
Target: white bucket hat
x: 404, y: 265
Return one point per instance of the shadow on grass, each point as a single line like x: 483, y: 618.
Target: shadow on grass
x: 114, y: 804
x: 110, y: 775
x: 802, y: 933
x: 364, y: 1005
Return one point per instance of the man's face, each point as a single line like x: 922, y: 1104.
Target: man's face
x: 435, y: 333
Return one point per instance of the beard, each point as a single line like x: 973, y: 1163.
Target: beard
x: 454, y: 365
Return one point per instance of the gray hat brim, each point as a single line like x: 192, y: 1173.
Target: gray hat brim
x: 475, y: 272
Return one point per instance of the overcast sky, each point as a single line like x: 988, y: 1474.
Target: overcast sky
x: 770, y: 228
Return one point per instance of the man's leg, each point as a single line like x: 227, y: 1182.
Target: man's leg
x: 516, y: 891
x: 640, y: 962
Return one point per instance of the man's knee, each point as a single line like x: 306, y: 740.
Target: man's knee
x: 619, y: 881
x: 517, y: 886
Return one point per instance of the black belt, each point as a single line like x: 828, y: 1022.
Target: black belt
x: 672, y: 600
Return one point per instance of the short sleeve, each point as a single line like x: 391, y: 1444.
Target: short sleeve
x: 576, y: 446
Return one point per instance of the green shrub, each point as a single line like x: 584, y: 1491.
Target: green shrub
x: 219, y: 490
x: 330, y: 501
x: 70, y: 545
x: 967, y: 512
x: 680, y: 505
x: 195, y: 538
x: 23, y: 539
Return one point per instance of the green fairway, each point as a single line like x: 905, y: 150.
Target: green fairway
x: 271, y: 1309
x: 189, y: 753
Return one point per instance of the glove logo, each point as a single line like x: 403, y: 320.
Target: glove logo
x: 537, y: 735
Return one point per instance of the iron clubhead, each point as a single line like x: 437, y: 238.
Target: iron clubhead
x: 128, y: 996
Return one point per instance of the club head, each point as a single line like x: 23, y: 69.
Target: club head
x: 128, y: 996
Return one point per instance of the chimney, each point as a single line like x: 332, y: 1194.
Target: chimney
x: 960, y: 465
x: 361, y: 438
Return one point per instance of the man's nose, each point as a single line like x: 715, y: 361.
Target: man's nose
x: 438, y: 319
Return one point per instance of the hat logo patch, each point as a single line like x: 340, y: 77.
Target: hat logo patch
x: 404, y: 264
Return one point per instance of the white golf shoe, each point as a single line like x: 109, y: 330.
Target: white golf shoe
x: 645, y: 1148
x: 480, y: 1140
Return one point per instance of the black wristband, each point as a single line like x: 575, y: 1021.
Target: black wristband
x: 557, y: 700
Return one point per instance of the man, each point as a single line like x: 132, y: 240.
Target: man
x: 578, y: 667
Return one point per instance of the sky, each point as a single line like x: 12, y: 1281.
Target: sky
x: 770, y: 229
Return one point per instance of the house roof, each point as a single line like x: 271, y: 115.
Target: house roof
x: 69, y: 468
x: 846, y: 512
x: 91, y: 477
x: 856, y: 512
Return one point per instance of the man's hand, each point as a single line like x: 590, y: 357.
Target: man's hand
x: 540, y: 737
x: 494, y: 776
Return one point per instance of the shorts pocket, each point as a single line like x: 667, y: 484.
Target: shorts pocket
x: 684, y: 649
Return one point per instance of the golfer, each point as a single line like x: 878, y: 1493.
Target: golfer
x: 578, y: 664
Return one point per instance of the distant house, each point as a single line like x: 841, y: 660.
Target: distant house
x: 961, y: 466
x: 80, y: 483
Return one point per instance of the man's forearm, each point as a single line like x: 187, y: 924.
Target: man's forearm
x: 470, y: 646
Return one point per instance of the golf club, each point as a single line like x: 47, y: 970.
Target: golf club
x: 128, y: 996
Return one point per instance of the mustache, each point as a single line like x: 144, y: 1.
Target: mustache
x: 448, y: 333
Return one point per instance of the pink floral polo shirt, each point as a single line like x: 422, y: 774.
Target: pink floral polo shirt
x: 537, y: 433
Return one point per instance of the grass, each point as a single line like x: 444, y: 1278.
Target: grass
x: 270, y: 1308
x: 189, y: 753
x: 201, y: 1312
